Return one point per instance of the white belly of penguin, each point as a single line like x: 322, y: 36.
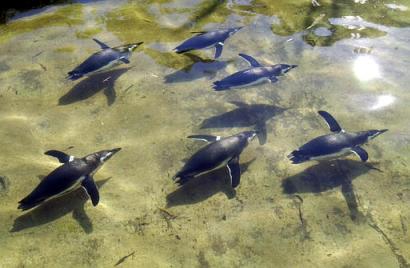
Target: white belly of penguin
x: 223, y: 164
x: 343, y: 152
x: 71, y: 188
x: 106, y: 67
x: 256, y: 82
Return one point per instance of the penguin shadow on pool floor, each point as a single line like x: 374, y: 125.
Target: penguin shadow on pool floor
x: 327, y: 175
x: 245, y: 115
x: 204, y: 186
x: 199, y: 68
x: 58, y: 207
x: 91, y: 85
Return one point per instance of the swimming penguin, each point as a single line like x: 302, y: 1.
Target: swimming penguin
x: 205, y: 40
x: 334, y: 145
x: 73, y: 172
x: 245, y: 115
x: 219, y: 152
x: 102, y: 60
x: 252, y: 76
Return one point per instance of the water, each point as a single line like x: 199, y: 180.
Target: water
x: 353, y: 58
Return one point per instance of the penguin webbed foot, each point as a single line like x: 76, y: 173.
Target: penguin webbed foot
x: 181, y: 180
x: 296, y: 157
x: 74, y: 76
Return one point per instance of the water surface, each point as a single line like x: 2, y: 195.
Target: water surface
x: 353, y: 58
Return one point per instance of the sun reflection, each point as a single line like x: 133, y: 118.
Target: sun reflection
x: 366, y: 68
x: 383, y: 101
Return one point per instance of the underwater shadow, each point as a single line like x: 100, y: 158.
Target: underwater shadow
x: 245, y: 115
x: 328, y: 175
x: 92, y: 85
x: 203, y: 187
x: 56, y: 208
x: 198, y: 69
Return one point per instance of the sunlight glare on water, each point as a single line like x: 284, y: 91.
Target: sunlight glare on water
x: 366, y: 68
x: 383, y: 101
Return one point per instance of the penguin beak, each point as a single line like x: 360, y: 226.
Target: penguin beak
x: 380, y: 132
x: 134, y: 46
x: 289, y: 67
x: 115, y: 150
x: 109, y: 154
x: 253, y: 135
x: 376, y: 133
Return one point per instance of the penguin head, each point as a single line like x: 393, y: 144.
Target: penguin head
x: 371, y: 134
x: 129, y: 47
x: 107, y: 154
x: 286, y: 68
x: 231, y: 31
x: 101, y: 156
x: 247, y: 136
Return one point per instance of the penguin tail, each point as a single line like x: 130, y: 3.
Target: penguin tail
x: 74, y: 75
x: 27, y: 203
x: 180, y: 51
x: 297, y: 157
x: 218, y: 86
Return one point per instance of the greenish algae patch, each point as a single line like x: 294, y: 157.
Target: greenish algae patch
x: 65, y: 16
x: 126, y: 21
x: 90, y: 32
x: 300, y: 16
x: 67, y: 49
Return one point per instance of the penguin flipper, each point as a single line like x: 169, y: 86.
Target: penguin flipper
x: 101, y: 44
x: 207, y: 138
x: 331, y: 121
x: 360, y: 152
x: 218, y: 49
x: 261, y: 132
x: 250, y: 60
x: 61, y: 156
x: 234, y: 171
x: 92, y: 190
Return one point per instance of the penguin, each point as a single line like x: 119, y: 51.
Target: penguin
x: 204, y: 40
x: 256, y: 74
x: 334, y: 145
x: 218, y: 153
x: 245, y: 115
x: 67, y: 177
x: 103, y: 60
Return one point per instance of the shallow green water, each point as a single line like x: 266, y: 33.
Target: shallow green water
x: 353, y: 59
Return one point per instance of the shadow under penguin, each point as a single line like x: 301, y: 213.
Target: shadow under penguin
x: 204, y: 186
x: 55, y: 208
x: 325, y: 176
x: 245, y: 115
x: 92, y: 85
x: 199, y: 68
